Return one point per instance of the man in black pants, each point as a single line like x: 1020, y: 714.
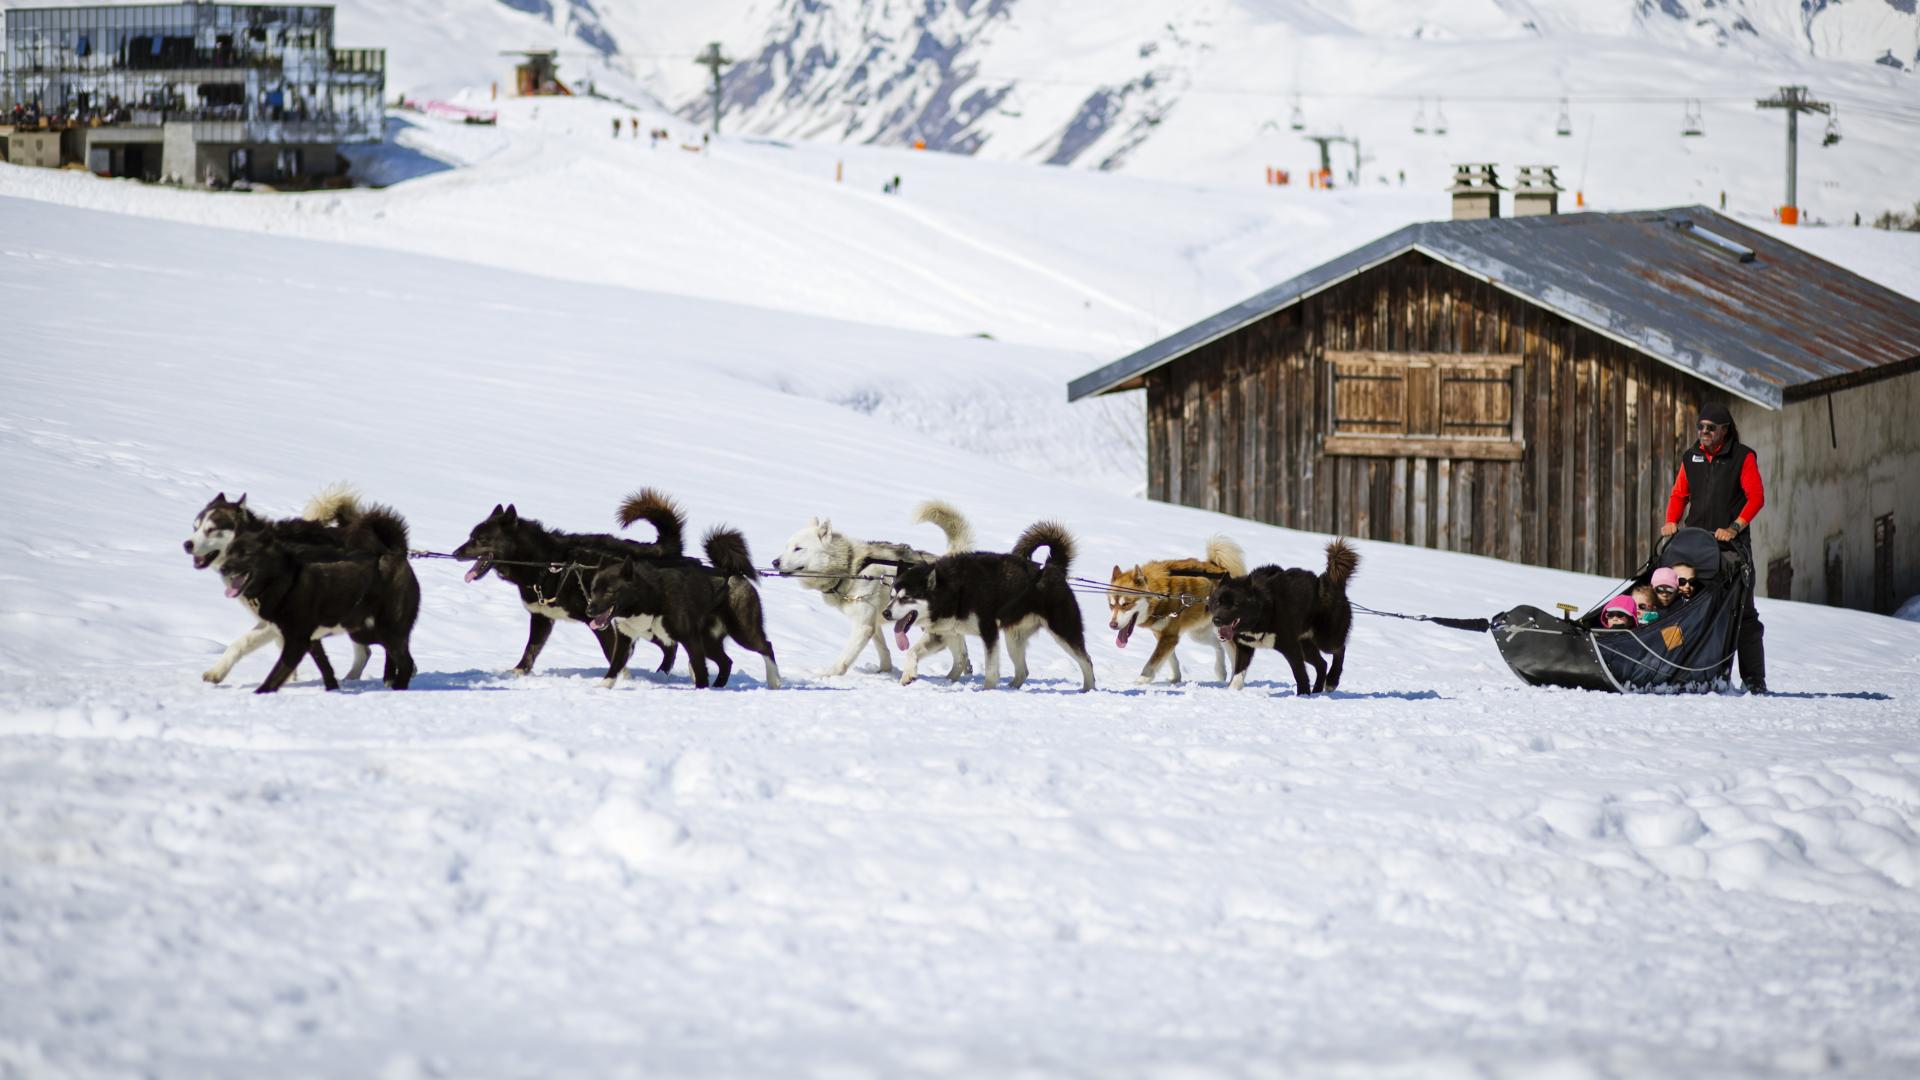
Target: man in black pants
x: 1719, y: 488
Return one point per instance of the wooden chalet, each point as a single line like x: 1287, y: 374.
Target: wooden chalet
x: 1523, y: 388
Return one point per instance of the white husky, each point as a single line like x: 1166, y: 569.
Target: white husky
x: 221, y: 520
x: 846, y: 574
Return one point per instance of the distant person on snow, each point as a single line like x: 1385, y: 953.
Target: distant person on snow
x: 1719, y: 488
x: 616, y: 127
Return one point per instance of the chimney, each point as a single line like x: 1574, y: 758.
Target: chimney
x: 1537, y: 193
x: 1476, y: 193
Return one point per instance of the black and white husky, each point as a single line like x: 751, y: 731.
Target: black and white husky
x: 552, y: 569
x: 362, y: 586
x: 222, y: 521
x: 989, y: 595
x: 855, y: 577
x: 1297, y: 613
x: 696, y: 606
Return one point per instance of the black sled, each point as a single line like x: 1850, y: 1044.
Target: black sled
x: 1689, y: 649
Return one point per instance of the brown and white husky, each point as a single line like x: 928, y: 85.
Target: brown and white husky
x: 1169, y: 597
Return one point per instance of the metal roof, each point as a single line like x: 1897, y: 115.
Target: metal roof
x: 1673, y: 284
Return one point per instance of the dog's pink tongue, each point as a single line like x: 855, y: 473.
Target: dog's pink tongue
x: 473, y: 574
x: 233, y: 591
x: 900, y: 640
x: 1126, y: 632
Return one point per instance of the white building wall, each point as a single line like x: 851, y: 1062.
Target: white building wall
x: 1823, y: 497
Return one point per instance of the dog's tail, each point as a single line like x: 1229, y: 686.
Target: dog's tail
x: 951, y: 521
x: 727, y: 551
x: 1227, y: 555
x: 379, y: 529
x: 656, y: 509
x: 1050, y: 535
x: 336, y: 504
x: 1342, y: 562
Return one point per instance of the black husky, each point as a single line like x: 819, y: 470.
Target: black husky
x: 986, y: 594
x: 552, y: 568
x: 362, y: 586
x: 696, y: 606
x: 324, y: 521
x: 1298, y: 613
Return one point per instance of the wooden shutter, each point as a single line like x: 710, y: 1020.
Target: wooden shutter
x: 1438, y: 405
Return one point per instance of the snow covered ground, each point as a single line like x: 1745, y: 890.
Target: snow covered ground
x: 1433, y: 872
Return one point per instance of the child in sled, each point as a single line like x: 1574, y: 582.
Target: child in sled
x: 1619, y: 613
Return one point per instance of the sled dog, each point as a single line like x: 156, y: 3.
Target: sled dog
x: 855, y: 577
x: 1297, y: 613
x: 693, y: 605
x: 988, y: 595
x: 362, y: 586
x: 1168, y: 597
x: 219, y: 522
x: 552, y: 569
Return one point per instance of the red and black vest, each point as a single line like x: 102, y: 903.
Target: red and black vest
x: 1714, y: 494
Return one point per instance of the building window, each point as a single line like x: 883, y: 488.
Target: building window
x: 1443, y: 405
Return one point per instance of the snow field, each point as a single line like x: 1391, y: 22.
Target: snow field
x: 1434, y: 872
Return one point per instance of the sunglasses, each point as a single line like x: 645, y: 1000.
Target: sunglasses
x: 1616, y: 616
x: 1708, y: 427
x: 1686, y: 582
x: 1658, y: 589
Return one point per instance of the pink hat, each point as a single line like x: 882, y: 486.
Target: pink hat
x: 1622, y: 604
x: 1666, y: 576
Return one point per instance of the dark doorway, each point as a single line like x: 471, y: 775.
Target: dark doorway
x: 239, y: 164
x: 1884, y: 596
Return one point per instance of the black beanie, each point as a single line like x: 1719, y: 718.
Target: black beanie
x: 1717, y: 413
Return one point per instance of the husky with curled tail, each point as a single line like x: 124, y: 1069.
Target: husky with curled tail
x: 993, y: 597
x: 362, y: 586
x: 222, y: 521
x: 1297, y: 613
x: 855, y: 577
x: 1169, y: 597
x: 551, y: 569
x: 689, y: 604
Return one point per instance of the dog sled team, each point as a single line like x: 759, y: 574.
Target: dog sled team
x: 343, y: 567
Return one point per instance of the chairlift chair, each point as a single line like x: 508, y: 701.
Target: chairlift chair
x: 1833, y: 128
x: 1563, y: 127
x: 1691, y: 126
x: 1439, y: 118
x: 1420, y: 118
x: 1298, y: 121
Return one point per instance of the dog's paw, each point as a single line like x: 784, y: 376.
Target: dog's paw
x: 213, y: 675
x: 907, y: 678
x: 1237, y: 682
x: 1143, y: 680
x: 515, y: 673
x: 607, y: 684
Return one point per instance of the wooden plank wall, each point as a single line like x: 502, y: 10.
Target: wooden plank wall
x: 1237, y: 426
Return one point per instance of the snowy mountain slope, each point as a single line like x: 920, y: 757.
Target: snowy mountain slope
x: 1090, y: 85
x: 1434, y: 871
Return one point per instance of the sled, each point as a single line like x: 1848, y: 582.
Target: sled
x: 1689, y: 649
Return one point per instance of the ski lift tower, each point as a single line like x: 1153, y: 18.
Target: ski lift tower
x: 1325, y: 142
x: 1794, y: 99
x: 713, y: 60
